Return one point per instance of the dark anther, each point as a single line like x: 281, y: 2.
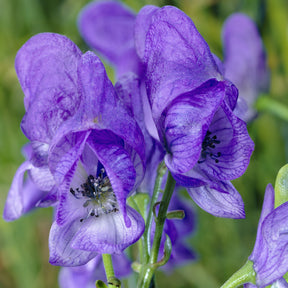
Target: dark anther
x: 209, y: 143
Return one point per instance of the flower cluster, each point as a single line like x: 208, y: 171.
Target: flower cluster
x: 92, y: 144
x: 190, y: 107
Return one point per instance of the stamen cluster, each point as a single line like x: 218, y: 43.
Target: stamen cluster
x: 99, y: 193
x: 208, y: 145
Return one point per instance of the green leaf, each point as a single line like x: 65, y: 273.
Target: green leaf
x: 281, y: 186
x: 139, y: 202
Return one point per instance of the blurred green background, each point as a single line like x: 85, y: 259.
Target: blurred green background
x: 221, y: 244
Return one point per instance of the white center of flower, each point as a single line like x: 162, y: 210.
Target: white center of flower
x: 98, y: 195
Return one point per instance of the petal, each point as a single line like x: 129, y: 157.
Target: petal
x: 100, y: 102
x: 46, y: 66
x: 108, y: 233
x: 193, y: 178
x: 214, y: 201
x: 42, y: 178
x: 272, y: 262
x: 268, y: 206
x: 128, y: 90
x: 65, y: 151
x: 235, y: 146
x: 107, y: 27
x: 245, y: 59
x: 71, y: 208
x: 177, y: 57
x: 61, y: 253
x: 280, y: 283
x: 118, y: 166
x: 21, y: 197
x: 186, y: 121
x: 38, y: 154
x: 81, y: 276
x: 142, y: 25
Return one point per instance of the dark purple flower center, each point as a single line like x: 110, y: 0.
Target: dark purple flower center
x: 99, y: 195
x: 208, y: 148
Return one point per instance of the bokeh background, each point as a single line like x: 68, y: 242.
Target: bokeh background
x: 222, y: 245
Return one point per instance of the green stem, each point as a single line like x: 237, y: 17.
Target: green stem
x: 109, y: 270
x: 244, y: 275
x: 148, y: 270
x: 162, y: 215
x: 146, y: 235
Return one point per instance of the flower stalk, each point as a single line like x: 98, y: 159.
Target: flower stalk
x: 109, y: 270
x: 146, y: 235
x: 245, y: 274
x: 148, y: 270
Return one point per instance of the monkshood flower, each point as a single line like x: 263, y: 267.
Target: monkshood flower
x: 177, y: 64
x: 269, y: 257
x: 192, y: 106
x: 107, y: 27
x: 244, y: 62
x: 86, y: 275
x: 96, y: 154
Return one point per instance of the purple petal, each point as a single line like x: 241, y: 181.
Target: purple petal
x: 65, y: 151
x: 142, y: 25
x: 235, y: 147
x: 108, y: 233
x: 177, y: 57
x: 38, y: 153
x: 219, y: 64
x: 81, y: 276
x: 100, y: 101
x: 22, y: 197
x: 245, y: 59
x: 118, y: 165
x: 187, y: 119
x: 107, y: 27
x: 272, y: 260
x: 216, y: 202
x: 128, y: 90
x: 280, y: 283
x: 46, y: 66
x: 193, y: 178
x: 71, y: 208
x: 42, y: 178
x: 268, y: 206
x: 61, y: 252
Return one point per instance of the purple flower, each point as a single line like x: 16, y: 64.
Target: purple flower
x: 244, y: 62
x: 192, y: 106
x: 90, y: 146
x: 86, y: 275
x: 269, y: 255
x: 185, y: 89
x: 107, y: 27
